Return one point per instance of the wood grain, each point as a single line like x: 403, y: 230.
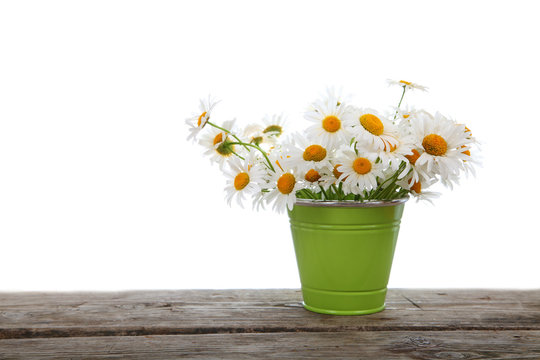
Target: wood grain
x: 251, y: 311
x: 320, y: 345
x: 238, y: 324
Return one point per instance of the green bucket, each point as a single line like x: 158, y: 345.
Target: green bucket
x: 344, y: 252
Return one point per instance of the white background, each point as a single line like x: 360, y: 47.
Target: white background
x: 100, y: 190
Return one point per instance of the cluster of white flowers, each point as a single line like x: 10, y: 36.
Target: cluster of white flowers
x: 347, y: 154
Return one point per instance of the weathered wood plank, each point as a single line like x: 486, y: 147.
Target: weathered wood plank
x: 255, y: 311
x: 323, y: 345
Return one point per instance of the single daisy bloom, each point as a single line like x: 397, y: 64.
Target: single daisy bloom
x: 370, y: 129
x: 284, y: 184
x: 336, y: 94
x: 404, y: 114
x: 197, y: 122
x: 443, y: 143
x: 313, y: 179
x: 218, y: 143
x: 417, y: 173
x: 328, y: 118
x: 330, y: 176
x: 406, y: 84
x: 391, y: 157
x: 305, y: 154
x: 274, y: 126
x: 254, y: 135
x: 359, y: 171
x: 243, y: 177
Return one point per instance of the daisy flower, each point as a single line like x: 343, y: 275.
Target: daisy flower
x: 404, y: 114
x: 254, y: 135
x: 330, y: 176
x: 442, y: 142
x: 284, y: 184
x: 305, y: 154
x: 371, y: 129
x: 359, y: 171
x: 274, y: 126
x: 417, y: 173
x: 391, y: 157
x: 328, y: 116
x: 315, y: 179
x: 336, y: 94
x: 312, y: 180
x: 243, y: 177
x: 407, y: 84
x: 197, y: 122
x: 218, y: 143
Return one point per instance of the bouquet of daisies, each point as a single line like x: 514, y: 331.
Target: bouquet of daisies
x: 348, y: 153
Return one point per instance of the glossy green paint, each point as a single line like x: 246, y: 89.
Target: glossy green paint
x: 344, y: 256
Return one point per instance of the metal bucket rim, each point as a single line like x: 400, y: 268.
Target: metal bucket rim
x: 350, y: 203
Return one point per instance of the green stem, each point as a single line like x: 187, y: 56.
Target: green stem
x: 341, y: 193
x: 334, y: 188
x: 227, y: 131
x: 258, y: 148
x: 324, y: 193
x: 307, y: 193
x: 241, y: 157
x: 400, y: 100
x: 388, y: 191
x: 380, y: 189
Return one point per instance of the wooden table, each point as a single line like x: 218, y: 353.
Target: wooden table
x: 246, y: 324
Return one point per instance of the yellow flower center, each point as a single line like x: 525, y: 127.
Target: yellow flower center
x: 200, y: 118
x: 312, y: 176
x: 412, y: 158
x: 274, y: 129
x: 405, y: 82
x: 331, y: 124
x: 434, y: 145
x: 336, y: 172
x: 314, y: 153
x: 406, y: 116
x: 372, y: 124
x: 285, y: 183
x: 361, y: 165
x: 241, y: 181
